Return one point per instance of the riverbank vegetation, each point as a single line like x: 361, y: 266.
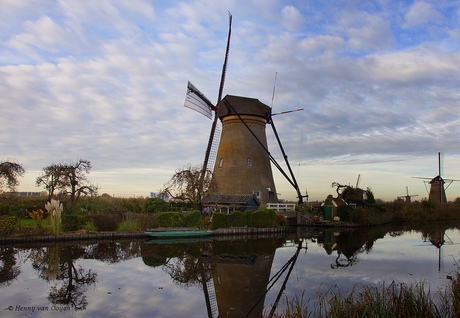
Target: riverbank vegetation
x: 27, y: 215
x: 379, y: 301
x: 20, y: 215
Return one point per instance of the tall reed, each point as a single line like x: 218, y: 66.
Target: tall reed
x: 54, y: 208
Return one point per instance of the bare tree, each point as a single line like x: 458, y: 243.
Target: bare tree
x: 190, y: 183
x: 51, y: 178
x: 10, y: 171
x: 69, y: 179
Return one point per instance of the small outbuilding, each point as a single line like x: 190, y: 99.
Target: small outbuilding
x: 227, y: 203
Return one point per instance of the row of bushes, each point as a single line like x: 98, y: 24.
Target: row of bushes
x: 261, y: 218
x: 20, y: 206
x: 415, y: 212
x: 138, y: 222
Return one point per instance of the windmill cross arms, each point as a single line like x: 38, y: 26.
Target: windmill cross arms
x: 446, y: 180
x: 288, y: 111
x: 405, y: 196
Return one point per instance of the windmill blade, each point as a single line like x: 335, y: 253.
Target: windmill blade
x: 288, y: 111
x: 440, y: 160
x: 212, y: 138
x: 194, y: 99
x: 224, y: 66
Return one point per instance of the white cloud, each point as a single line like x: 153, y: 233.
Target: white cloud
x: 292, y: 18
x: 421, y: 13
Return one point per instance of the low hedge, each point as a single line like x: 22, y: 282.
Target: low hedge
x: 264, y: 218
x: 73, y: 222
x: 178, y: 219
x: 261, y: 218
x: 194, y: 219
x: 106, y: 222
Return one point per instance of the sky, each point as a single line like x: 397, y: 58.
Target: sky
x: 105, y: 81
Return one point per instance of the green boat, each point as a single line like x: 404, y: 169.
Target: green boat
x: 178, y: 233
x: 178, y: 240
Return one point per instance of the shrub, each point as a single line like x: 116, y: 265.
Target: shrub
x: 129, y: 226
x: 73, y: 222
x: 131, y: 205
x: 234, y: 219
x: 89, y: 226
x: 343, y: 212
x: 237, y: 219
x: 7, y: 225
x: 264, y: 218
x: 260, y: 218
x: 171, y: 219
x: 154, y: 205
x: 106, y: 222
x: 280, y: 219
x: 37, y: 215
x: 220, y: 220
x: 354, y: 215
x: 428, y: 205
x: 249, y: 214
x: 194, y: 219
x: 144, y: 221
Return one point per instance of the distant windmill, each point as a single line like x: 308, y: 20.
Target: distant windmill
x: 437, y: 192
x: 244, y: 161
x: 407, y: 197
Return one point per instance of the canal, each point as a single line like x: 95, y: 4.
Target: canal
x: 219, y: 276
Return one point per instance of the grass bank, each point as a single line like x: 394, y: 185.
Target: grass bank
x: 379, y: 301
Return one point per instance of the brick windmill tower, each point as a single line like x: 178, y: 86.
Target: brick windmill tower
x: 243, y: 165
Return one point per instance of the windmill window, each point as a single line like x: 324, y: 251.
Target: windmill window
x: 221, y: 162
x: 248, y: 162
x: 246, y: 284
x: 256, y: 193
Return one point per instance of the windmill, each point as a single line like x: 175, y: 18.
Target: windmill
x: 407, y: 197
x: 244, y: 161
x: 438, y: 189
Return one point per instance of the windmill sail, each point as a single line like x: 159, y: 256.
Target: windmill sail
x: 195, y: 100
x: 213, y: 137
x: 214, y: 146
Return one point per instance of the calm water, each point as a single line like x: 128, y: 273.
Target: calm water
x: 230, y: 278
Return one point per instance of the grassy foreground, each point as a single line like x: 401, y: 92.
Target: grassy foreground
x: 380, y: 301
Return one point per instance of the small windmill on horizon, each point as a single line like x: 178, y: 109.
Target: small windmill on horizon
x: 438, y: 189
x: 407, y: 198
